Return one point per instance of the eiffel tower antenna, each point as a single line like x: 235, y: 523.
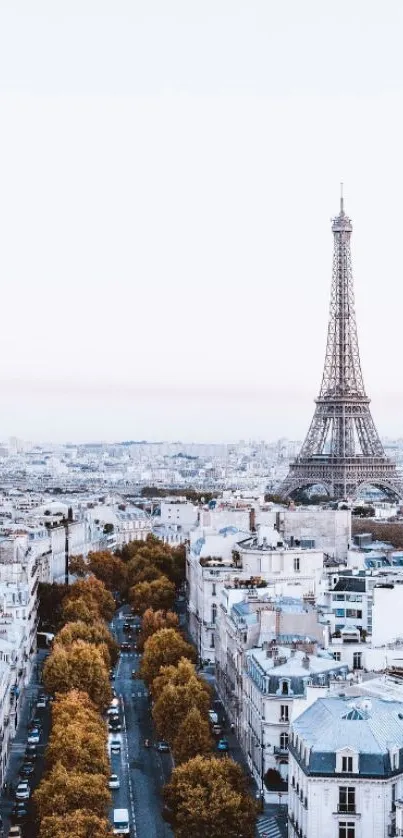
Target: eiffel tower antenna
x: 342, y: 450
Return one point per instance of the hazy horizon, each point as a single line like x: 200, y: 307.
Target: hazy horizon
x: 168, y: 176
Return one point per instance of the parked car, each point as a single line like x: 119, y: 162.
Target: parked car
x: 162, y: 746
x: 23, y: 790
x: 114, y: 782
x: 217, y: 730
x: 34, y: 736
x: 31, y: 752
x: 112, y: 675
x: 222, y: 745
x: 115, y: 725
x: 27, y: 769
x: 36, y: 722
x: 116, y: 746
x: 20, y: 812
x: 41, y: 704
x: 213, y: 717
x: 15, y: 832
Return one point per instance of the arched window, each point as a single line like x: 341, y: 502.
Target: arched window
x: 213, y: 613
x: 284, y: 687
x: 284, y: 741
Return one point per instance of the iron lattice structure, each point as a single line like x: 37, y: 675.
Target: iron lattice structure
x: 342, y: 450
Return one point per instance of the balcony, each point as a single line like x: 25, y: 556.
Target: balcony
x: 347, y: 809
x: 280, y: 751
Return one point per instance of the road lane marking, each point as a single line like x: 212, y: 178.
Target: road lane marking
x: 128, y: 768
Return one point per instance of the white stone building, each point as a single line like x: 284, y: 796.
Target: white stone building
x: 346, y: 769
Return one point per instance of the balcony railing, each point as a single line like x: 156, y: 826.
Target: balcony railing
x: 280, y: 750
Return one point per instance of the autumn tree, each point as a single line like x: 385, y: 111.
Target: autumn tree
x: 78, y: 735
x: 62, y: 791
x: 109, y: 569
x: 174, y: 703
x: 77, y: 824
x: 193, y: 737
x: 159, y: 594
x: 140, y: 569
x: 208, y: 797
x: 165, y: 647
x: 80, y: 610
x: 154, y: 621
x: 178, y: 675
x: 94, y: 632
x: 92, y: 590
x: 81, y: 666
x: 78, y: 566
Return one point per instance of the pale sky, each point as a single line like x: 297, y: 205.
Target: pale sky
x: 168, y: 172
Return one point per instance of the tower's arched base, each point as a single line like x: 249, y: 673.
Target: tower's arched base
x: 343, y: 478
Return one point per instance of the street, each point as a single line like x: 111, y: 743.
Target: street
x: 142, y: 771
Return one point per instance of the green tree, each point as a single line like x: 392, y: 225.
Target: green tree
x: 61, y: 792
x: 77, y: 824
x: 154, y: 621
x: 165, y: 647
x: 51, y: 598
x: 140, y: 569
x: 80, y: 666
x: 193, y: 737
x: 159, y: 594
x: 207, y: 797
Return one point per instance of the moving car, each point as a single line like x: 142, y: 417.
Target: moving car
x: 114, y: 782
x: 217, y: 730
x: 27, y: 769
x: 125, y: 647
x: 116, y: 746
x: 20, y: 811
x: 31, y: 752
x: 34, y: 736
x: 23, y: 790
x: 41, y: 704
x: 121, y: 824
x: 222, y: 745
x: 15, y: 832
x: 213, y: 717
x: 162, y: 746
x: 115, y: 725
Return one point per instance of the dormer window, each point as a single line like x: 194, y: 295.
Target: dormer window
x: 284, y: 687
x: 394, y: 758
x: 346, y: 761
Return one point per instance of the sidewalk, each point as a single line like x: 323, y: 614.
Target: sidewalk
x: 26, y: 708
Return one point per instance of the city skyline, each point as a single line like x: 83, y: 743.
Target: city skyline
x: 165, y: 205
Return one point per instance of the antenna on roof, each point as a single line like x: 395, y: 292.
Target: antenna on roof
x: 341, y: 200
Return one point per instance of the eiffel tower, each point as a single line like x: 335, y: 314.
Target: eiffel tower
x: 342, y: 450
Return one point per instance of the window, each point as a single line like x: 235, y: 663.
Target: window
x: 212, y: 642
x: 297, y: 564
x: 347, y: 799
x: 284, y: 713
x: 394, y: 797
x: 347, y: 765
x: 213, y: 589
x: 337, y: 656
x: 213, y: 613
x: 284, y: 687
x: 346, y: 829
x: 354, y: 612
x: 357, y: 660
x: 339, y: 612
x: 284, y: 741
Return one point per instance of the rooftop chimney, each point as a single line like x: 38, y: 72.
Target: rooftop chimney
x: 252, y: 520
x: 305, y: 661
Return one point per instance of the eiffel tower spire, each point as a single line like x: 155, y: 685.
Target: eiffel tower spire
x: 342, y: 450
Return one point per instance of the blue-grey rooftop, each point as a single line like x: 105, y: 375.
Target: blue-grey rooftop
x: 370, y: 727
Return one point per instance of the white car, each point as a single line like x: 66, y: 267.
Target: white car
x: 116, y: 746
x: 34, y: 737
x: 114, y: 782
x: 23, y: 791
